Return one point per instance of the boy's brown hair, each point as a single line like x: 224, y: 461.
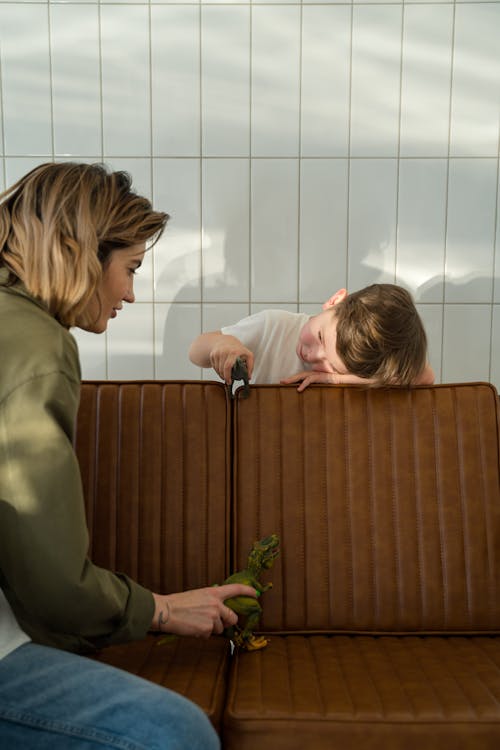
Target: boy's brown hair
x: 60, y: 223
x: 380, y: 335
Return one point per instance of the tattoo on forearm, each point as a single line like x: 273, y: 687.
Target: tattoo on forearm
x: 164, y: 617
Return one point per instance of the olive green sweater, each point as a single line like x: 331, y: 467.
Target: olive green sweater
x: 57, y: 595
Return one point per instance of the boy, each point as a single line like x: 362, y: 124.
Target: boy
x: 374, y: 337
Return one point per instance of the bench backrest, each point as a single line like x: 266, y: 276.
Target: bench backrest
x: 387, y: 502
x: 156, y: 478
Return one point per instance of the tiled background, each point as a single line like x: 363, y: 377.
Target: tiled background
x: 299, y: 147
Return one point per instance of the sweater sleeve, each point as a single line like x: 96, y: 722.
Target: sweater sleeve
x: 58, y: 595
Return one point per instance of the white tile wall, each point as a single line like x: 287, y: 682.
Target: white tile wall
x: 299, y: 148
x: 126, y: 79
x: 426, y: 80
x: 421, y: 227
x: 326, y: 62
x: 225, y: 86
x: 226, y: 230
x: 274, y: 228
x: 175, y: 80
x: 75, y: 75
x: 275, y: 90
x: 375, y: 79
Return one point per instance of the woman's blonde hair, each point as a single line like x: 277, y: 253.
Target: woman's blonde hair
x: 380, y: 335
x: 60, y: 223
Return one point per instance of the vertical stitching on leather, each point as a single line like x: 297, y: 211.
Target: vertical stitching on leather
x: 326, y: 495
x: 440, y: 530
x: 349, y: 540
x: 339, y: 659
x: 452, y: 664
x: 391, y: 659
x: 372, y: 511
x: 418, y: 647
x: 367, y: 647
x: 480, y: 644
x: 324, y: 529
x: 301, y: 554
x: 395, y: 500
x: 320, y: 700
x: 282, y: 499
x: 485, y: 508
x: 257, y: 472
x: 182, y: 517
x: 205, y: 522
x: 163, y: 487
x: 290, y: 661
x: 462, y: 510
x: 119, y: 433
x: 96, y: 417
x: 418, y: 511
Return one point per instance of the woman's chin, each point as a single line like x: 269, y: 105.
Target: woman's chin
x: 94, y: 327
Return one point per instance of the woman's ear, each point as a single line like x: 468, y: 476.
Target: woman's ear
x: 340, y: 295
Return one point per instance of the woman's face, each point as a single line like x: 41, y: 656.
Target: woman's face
x: 115, y: 287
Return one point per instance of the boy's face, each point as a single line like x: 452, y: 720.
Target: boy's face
x: 317, y: 344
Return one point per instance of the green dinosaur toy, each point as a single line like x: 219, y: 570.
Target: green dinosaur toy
x: 261, y: 557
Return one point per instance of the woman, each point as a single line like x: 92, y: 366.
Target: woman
x: 72, y: 236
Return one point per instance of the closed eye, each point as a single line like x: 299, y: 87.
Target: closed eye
x: 135, y: 268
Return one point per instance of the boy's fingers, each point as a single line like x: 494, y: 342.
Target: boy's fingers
x: 295, y: 378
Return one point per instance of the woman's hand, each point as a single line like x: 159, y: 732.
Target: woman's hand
x: 200, y: 612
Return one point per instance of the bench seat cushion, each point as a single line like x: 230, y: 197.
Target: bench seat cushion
x: 380, y: 693
x: 194, y: 667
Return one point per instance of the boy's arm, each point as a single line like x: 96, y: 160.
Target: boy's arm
x: 220, y: 351
x: 200, y: 349
x: 307, y: 377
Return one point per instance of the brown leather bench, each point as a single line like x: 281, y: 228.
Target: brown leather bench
x: 385, y: 612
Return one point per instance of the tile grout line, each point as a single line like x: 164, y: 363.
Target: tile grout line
x: 398, y: 165
x: 349, y: 157
x: 446, y: 202
x: 250, y: 159
x: 51, y: 81
x: 151, y: 182
x: 101, y: 107
x: 2, y: 121
x: 496, y: 252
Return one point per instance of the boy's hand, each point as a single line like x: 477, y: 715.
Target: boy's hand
x: 307, y: 377
x: 225, y: 353
x: 220, y: 351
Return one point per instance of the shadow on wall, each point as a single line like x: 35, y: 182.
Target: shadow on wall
x: 211, y: 281
x: 459, y: 330
x: 217, y: 276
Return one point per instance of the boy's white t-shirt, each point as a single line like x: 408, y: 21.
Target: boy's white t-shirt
x: 272, y: 336
x: 11, y: 635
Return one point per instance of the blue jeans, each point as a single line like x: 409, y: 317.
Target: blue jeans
x: 54, y: 700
